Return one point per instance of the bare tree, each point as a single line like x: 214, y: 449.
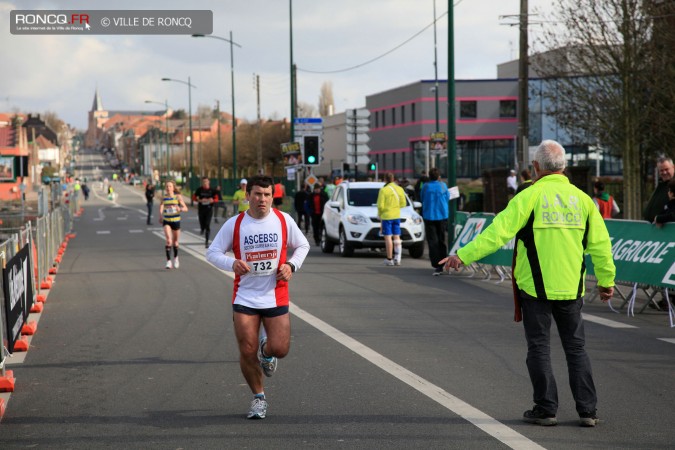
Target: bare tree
x: 306, y: 110
x: 326, y: 102
x: 601, y: 86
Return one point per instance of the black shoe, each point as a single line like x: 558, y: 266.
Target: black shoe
x: 201, y: 232
x: 588, y: 419
x: 216, y: 220
x: 537, y: 416
x: 206, y: 244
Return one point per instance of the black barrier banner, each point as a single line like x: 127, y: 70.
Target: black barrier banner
x: 18, y: 292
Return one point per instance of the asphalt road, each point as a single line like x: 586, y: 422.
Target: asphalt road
x: 130, y: 355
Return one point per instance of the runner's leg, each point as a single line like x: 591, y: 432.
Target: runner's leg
x: 278, y: 331
x: 246, y: 331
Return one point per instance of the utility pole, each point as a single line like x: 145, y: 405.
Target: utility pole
x: 435, y: 74
x: 523, y: 154
x: 220, y: 164
x: 260, y: 151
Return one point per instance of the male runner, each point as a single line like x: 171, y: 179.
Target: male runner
x: 259, y: 239
x: 206, y: 197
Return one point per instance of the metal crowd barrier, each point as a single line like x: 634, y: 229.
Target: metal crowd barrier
x: 44, y: 238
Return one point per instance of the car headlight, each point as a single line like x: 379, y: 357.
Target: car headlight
x: 357, y: 219
x: 417, y: 219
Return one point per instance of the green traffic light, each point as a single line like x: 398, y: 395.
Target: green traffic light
x: 311, y: 159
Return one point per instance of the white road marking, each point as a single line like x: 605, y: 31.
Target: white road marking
x: 489, y: 425
x: 606, y: 322
x: 122, y: 218
x: 103, y: 232
x: 136, y: 231
x: 669, y: 340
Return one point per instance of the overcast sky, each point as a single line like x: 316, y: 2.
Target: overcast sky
x: 61, y: 73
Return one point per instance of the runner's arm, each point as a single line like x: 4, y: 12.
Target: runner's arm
x: 222, y: 243
x: 298, y: 242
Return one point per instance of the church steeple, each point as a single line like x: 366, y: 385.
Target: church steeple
x: 98, y: 105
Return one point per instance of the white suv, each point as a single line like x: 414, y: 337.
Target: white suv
x: 350, y: 221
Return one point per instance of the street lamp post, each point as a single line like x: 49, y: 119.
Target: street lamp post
x: 234, y: 119
x: 166, y: 135
x: 190, y: 86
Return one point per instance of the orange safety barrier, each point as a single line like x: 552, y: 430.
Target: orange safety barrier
x: 21, y: 344
x: 36, y: 308
x: 41, y: 298
x: 6, y: 385
x: 47, y: 284
x: 53, y: 270
x: 58, y: 259
x: 29, y: 329
x: 3, y: 407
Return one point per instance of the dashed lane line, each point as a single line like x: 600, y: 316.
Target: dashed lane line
x: 605, y: 322
x: 669, y: 340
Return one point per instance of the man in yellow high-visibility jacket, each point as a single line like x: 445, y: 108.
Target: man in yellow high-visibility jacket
x: 554, y: 224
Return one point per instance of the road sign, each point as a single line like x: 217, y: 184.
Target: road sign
x: 359, y: 149
x: 351, y: 129
x: 361, y: 159
x: 307, y: 120
x: 357, y: 113
x: 311, y: 180
x: 358, y: 139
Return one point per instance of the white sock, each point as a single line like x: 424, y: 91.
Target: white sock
x: 397, y: 251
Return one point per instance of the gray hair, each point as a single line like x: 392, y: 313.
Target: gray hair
x: 551, y: 156
x: 664, y: 159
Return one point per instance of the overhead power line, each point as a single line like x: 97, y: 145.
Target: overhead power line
x: 370, y: 61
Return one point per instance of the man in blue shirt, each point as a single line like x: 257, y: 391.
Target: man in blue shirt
x: 435, y: 198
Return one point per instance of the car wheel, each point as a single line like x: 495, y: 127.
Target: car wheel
x: 326, y: 245
x: 346, y: 249
x: 417, y: 250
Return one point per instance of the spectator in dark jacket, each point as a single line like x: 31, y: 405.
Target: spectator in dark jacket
x: 668, y: 214
x: 659, y: 197
x: 526, y: 180
x: 299, y: 204
x: 316, y: 202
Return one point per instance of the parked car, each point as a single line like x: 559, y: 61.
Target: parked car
x: 350, y: 221
x: 135, y: 180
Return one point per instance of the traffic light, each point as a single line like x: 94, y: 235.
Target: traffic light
x: 311, y: 155
x: 372, y: 166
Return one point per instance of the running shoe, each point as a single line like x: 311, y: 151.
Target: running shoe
x: 438, y: 272
x: 397, y: 262
x: 176, y: 264
x: 268, y: 363
x: 169, y: 265
x: 258, y: 408
x: 388, y: 262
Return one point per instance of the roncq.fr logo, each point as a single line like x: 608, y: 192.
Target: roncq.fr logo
x: 51, y: 19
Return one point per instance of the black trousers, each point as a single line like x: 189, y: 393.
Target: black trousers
x: 205, y: 214
x: 316, y: 227
x: 537, y: 315
x: 435, y: 231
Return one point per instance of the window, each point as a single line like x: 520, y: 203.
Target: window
x: 393, y: 116
x: 467, y: 110
x: 384, y: 118
x: 507, y: 109
x: 402, y: 113
x: 412, y: 107
x: 377, y: 119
